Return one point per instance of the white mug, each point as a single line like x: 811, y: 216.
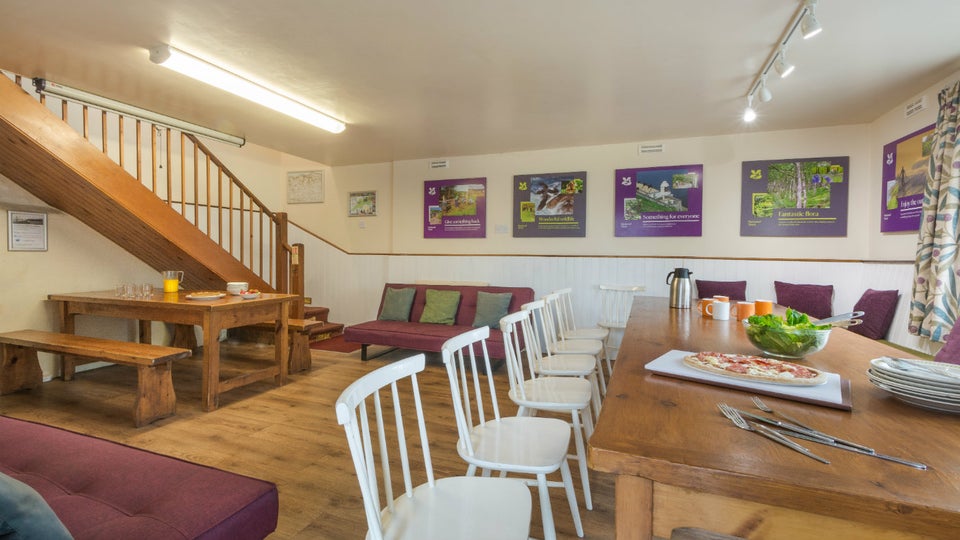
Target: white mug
x: 720, y: 311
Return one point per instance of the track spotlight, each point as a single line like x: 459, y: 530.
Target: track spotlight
x: 784, y: 68
x: 765, y: 94
x: 749, y: 115
x: 810, y: 26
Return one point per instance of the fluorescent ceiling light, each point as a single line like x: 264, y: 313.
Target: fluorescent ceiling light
x: 44, y: 86
x: 203, y: 71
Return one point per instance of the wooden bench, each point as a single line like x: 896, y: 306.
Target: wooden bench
x: 20, y: 368
x: 299, y: 330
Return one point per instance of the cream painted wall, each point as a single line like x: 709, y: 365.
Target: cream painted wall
x: 721, y: 157
x: 886, y: 129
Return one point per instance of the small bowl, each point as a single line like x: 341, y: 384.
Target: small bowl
x: 250, y: 295
x: 788, y: 343
x: 237, y: 287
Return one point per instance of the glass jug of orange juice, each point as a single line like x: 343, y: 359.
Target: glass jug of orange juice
x: 171, y: 280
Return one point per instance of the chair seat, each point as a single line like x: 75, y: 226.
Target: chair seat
x: 587, y: 333
x: 620, y: 325
x: 571, y: 365
x: 577, y: 346
x: 554, y: 393
x: 461, y: 507
x: 519, y: 444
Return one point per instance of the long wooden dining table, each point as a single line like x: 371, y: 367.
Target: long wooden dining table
x: 678, y: 462
x: 211, y: 315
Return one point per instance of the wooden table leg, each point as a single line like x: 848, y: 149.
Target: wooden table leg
x: 146, y: 331
x: 282, y: 343
x: 210, y: 385
x: 634, y: 508
x: 68, y: 326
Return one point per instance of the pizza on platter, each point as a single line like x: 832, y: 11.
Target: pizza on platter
x: 755, y: 368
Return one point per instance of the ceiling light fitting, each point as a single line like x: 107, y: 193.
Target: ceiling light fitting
x: 806, y: 21
x: 201, y: 70
x: 44, y: 86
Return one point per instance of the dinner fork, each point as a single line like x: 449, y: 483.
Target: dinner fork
x: 763, y: 407
x: 742, y: 423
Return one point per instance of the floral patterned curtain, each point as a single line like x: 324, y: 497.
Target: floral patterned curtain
x: 935, y: 305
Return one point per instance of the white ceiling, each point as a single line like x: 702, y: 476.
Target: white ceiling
x: 436, y: 78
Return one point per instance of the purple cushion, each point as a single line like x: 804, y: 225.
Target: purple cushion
x: 735, y: 290
x: 950, y: 352
x: 101, y: 489
x: 814, y: 300
x: 878, y: 308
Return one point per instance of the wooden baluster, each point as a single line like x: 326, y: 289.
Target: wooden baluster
x: 86, y: 123
x: 120, y: 137
x: 169, y: 171
x: 220, y: 206
x: 103, y: 132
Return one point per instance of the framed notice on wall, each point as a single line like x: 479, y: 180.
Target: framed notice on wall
x: 550, y: 205
x: 659, y: 201
x: 795, y: 197
x: 305, y: 187
x: 905, y: 174
x: 455, y: 208
x: 26, y: 231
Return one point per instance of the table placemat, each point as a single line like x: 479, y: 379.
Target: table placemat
x: 834, y: 393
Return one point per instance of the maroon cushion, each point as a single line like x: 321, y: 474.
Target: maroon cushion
x: 878, y: 308
x: 735, y: 290
x: 950, y: 352
x: 814, y: 300
x: 102, y: 489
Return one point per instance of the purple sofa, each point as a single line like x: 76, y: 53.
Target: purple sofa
x: 104, y: 490
x: 412, y: 334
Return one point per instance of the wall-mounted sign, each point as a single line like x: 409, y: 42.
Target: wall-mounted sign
x: 905, y: 173
x: 659, y: 201
x: 795, y: 197
x: 550, y: 205
x: 455, y: 208
x: 26, y: 231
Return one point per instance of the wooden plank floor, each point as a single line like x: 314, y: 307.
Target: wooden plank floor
x: 288, y: 435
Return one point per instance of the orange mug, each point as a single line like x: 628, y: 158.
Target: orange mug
x: 745, y: 310
x: 763, y: 307
x: 702, y: 306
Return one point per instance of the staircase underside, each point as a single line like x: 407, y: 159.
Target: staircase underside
x: 46, y: 157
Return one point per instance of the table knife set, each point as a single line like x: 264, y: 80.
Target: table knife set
x: 783, y: 432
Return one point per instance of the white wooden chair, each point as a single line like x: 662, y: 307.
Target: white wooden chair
x: 441, y: 508
x: 509, y: 444
x: 615, y: 304
x: 561, y: 365
x: 567, y: 321
x: 533, y: 392
x: 556, y: 345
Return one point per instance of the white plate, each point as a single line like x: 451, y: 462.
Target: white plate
x: 923, y: 384
x: 205, y: 295
x: 250, y: 296
x: 938, y: 371
x: 926, y: 403
x: 913, y: 389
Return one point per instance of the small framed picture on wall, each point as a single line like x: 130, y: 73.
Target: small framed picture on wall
x: 305, y: 187
x: 26, y: 231
x: 362, y: 203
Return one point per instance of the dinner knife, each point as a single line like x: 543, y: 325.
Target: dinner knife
x: 806, y: 431
x: 914, y: 464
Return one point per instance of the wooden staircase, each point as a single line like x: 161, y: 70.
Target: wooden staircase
x: 49, y: 159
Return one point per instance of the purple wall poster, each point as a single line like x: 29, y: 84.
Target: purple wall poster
x: 795, y: 197
x: 455, y: 208
x: 550, y: 205
x: 659, y: 201
x: 905, y: 173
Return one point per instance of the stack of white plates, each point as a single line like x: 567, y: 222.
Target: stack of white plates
x: 931, y: 385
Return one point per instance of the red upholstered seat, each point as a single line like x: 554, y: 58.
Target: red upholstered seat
x: 100, y: 489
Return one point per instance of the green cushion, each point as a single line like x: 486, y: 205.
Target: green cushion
x: 441, y: 307
x: 24, y: 513
x: 491, y: 307
x: 397, y: 304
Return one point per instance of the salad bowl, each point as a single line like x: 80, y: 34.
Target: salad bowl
x: 791, y: 337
